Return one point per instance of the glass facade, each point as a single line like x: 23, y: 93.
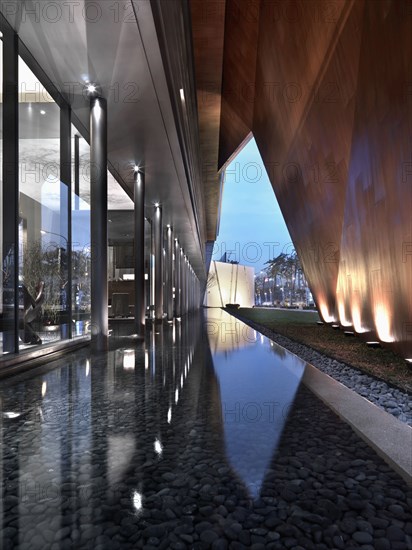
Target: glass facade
x: 45, y: 282
x: 1, y: 200
x: 43, y: 217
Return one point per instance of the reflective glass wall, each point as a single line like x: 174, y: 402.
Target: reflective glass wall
x: 43, y: 217
x: 1, y: 197
x: 45, y: 208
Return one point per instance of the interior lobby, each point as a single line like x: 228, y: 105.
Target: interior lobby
x: 131, y: 415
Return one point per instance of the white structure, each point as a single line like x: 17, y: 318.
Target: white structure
x: 230, y: 284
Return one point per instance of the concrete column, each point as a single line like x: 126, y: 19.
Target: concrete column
x: 158, y: 254
x: 98, y: 215
x: 139, y: 281
x: 169, y: 274
x: 178, y: 310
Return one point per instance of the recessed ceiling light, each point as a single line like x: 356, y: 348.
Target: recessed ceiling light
x: 156, y: 204
x: 42, y: 112
x: 91, y: 88
x: 136, y: 168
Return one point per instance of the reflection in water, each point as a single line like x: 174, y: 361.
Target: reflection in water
x: 171, y: 437
x: 258, y: 381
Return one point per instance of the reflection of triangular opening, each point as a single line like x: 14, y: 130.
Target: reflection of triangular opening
x: 253, y: 233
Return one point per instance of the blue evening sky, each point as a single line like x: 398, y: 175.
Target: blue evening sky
x: 250, y: 215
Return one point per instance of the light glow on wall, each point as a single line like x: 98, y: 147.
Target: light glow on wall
x: 356, y: 319
x: 342, y: 315
x: 325, y: 312
x: 383, y: 323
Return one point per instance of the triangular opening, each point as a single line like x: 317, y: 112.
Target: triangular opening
x: 253, y: 233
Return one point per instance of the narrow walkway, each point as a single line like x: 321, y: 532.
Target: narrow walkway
x: 202, y: 437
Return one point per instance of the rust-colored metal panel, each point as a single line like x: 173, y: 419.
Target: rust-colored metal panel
x: 296, y: 38
x: 303, y: 127
x: 208, y: 24
x: 375, y: 274
x: 238, y: 84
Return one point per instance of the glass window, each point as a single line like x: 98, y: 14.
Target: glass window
x: 2, y: 272
x: 43, y: 217
x: 81, y: 279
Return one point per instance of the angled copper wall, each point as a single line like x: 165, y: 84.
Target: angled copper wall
x: 238, y: 81
x: 333, y: 122
x: 375, y: 274
x: 305, y: 140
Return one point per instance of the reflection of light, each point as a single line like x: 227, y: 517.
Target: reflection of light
x: 181, y: 381
x: 325, y: 313
x: 158, y: 447
x: 91, y: 88
x: 382, y: 323
x: 182, y: 94
x: 87, y: 367
x: 262, y: 338
x: 169, y: 415
x: 146, y: 359
x: 128, y: 359
x: 174, y: 333
x: 137, y: 501
x: 11, y: 415
x: 176, y: 396
x: 43, y: 389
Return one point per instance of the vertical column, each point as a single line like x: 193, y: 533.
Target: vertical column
x: 183, y: 282
x: 158, y: 254
x: 10, y: 211
x: 169, y: 273
x: 178, y: 311
x: 76, y: 172
x: 66, y: 210
x: 186, y: 285
x: 98, y: 215
x: 139, y: 281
